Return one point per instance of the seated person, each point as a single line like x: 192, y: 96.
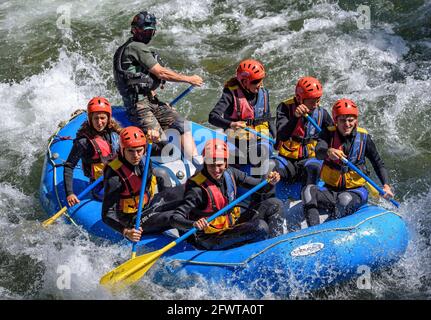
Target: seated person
x: 122, y: 182
x: 344, y: 191
x: 213, y: 188
x: 96, y: 144
x: 296, y: 136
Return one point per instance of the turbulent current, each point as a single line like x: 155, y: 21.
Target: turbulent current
x: 57, y: 54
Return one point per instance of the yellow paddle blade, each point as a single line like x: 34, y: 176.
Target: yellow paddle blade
x: 47, y: 222
x: 132, y: 270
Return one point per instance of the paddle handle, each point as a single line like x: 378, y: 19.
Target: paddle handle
x: 260, y: 134
x: 314, y: 124
x: 185, y: 92
x: 142, y: 194
x: 380, y: 190
x: 80, y: 196
x: 220, y: 212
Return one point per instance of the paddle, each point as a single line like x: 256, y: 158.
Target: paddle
x: 132, y: 270
x: 142, y: 194
x: 260, y: 134
x: 313, y: 122
x: 380, y: 190
x: 49, y: 221
x: 185, y: 92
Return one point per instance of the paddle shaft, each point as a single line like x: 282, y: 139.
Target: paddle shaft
x: 220, y: 212
x: 380, y: 190
x: 185, y: 92
x: 311, y: 120
x: 80, y: 196
x: 260, y: 134
x: 142, y: 194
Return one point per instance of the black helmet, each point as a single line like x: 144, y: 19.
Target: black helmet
x: 144, y: 21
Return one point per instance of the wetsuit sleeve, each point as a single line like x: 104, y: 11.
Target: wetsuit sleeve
x: 77, y: 152
x: 181, y: 217
x: 379, y: 166
x: 110, y: 216
x: 322, y: 145
x: 223, y: 106
x: 284, y: 124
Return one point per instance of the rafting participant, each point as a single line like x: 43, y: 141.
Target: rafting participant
x: 245, y: 103
x: 296, y: 136
x: 344, y: 190
x: 122, y: 183
x: 213, y: 188
x: 96, y: 144
x: 138, y: 72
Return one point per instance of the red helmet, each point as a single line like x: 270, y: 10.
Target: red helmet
x: 308, y: 88
x: 99, y: 104
x: 215, y: 149
x: 132, y: 137
x: 344, y: 107
x: 250, y: 70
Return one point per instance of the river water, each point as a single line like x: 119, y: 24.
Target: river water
x: 57, y: 54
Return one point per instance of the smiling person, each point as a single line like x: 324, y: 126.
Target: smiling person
x: 96, y: 144
x: 245, y: 103
x: 213, y: 188
x: 296, y: 136
x: 123, y: 181
x: 344, y: 191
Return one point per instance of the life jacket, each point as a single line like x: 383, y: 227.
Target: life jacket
x: 334, y: 172
x: 303, y: 140
x: 257, y: 117
x: 136, y: 79
x: 129, y: 198
x: 103, y: 153
x: 217, y: 201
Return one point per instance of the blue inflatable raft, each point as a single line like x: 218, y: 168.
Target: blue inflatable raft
x: 308, y: 259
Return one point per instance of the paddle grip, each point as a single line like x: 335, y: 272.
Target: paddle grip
x: 311, y: 120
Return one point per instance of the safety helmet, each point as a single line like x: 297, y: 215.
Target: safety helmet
x: 308, y: 88
x: 144, y: 21
x: 249, y: 70
x: 344, y: 107
x: 99, y: 104
x: 132, y: 137
x: 215, y: 149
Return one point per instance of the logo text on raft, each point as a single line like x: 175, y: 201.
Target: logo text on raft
x: 307, y: 249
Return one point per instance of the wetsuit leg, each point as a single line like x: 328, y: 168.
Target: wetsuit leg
x: 156, y: 218
x: 286, y: 169
x: 269, y: 210
x: 247, y: 232
x: 315, y: 199
x: 348, y: 203
x: 312, y: 170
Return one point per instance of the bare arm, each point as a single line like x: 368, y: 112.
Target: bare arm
x: 170, y: 75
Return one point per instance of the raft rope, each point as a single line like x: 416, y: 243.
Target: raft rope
x: 244, y: 263
x: 54, y: 139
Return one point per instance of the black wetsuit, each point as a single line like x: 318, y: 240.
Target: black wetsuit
x: 335, y: 201
x: 256, y: 222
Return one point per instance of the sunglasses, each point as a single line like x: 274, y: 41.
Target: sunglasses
x: 256, y: 81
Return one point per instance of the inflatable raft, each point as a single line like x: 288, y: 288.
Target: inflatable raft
x: 308, y: 259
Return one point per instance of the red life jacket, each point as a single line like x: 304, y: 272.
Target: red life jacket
x: 102, y: 154
x: 242, y: 110
x: 217, y: 201
x: 129, y: 197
